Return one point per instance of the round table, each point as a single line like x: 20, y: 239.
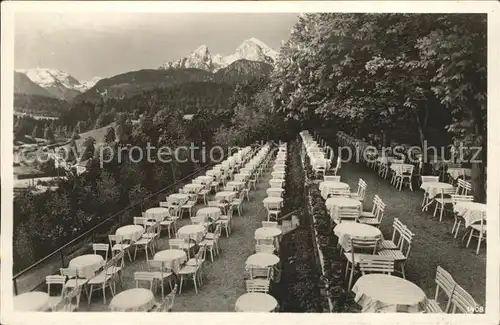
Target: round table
x: 279, y: 168
x: 276, y: 182
x: 134, y: 300
x: 387, y: 293
x: 236, y: 184
x: 256, y: 302
x: 434, y: 188
x: 455, y: 173
x: 87, y: 264
x: 172, y: 258
x: 271, y: 200
x: 207, y: 179
x: 471, y: 211
x: 241, y: 177
x: 262, y: 260
x: 345, y: 230
x: 195, y: 232
x: 267, y: 232
x: 225, y: 195
x: 333, y: 202
x: 193, y: 187
x: 130, y: 232
x: 178, y: 197
x: 157, y: 213
x: 210, y: 212
x: 277, y: 174
x: 213, y: 173
x: 32, y: 301
x: 278, y: 190
x: 325, y: 187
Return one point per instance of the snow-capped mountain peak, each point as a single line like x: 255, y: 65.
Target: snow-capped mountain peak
x: 58, y: 83
x: 251, y: 49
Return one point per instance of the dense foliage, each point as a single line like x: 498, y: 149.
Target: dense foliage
x: 405, y: 77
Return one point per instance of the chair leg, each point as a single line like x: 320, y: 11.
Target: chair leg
x: 104, y: 293
x: 435, y: 209
x: 350, y: 278
x: 195, y: 285
x: 90, y: 293
x: 180, y: 286
x: 479, y: 240
x: 403, y: 270
x: 470, y: 236
x: 441, y: 214
x: 458, y: 228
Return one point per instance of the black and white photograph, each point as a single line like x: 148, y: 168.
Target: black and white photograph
x: 250, y: 161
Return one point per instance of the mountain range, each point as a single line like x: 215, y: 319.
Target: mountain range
x: 251, y: 49
x: 252, y: 58
x: 53, y: 83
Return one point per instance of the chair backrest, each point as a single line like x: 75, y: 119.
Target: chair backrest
x: 269, y: 224
x: 198, y: 220
x: 158, y: 266
x: 406, y: 241
x: 407, y: 169
x: 177, y: 243
x: 331, y: 178
x: 265, y: 241
x: 213, y: 203
x: 273, y: 205
x: 448, y: 192
x: 276, y: 182
x: 260, y: 272
x: 115, y: 239
x: 101, y: 248
x: 455, y: 198
x: 168, y: 302
x: 338, y: 192
x: 274, y: 193
x: 269, y: 249
x: 140, y: 221
x: 144, y: 277
x: 377, y: 264
x: 55, y: 280
x: 217, y: 232
x: 429, y: 179
x: 363, y: 245
x: 462, y: 300
x: 257, y: 285
x: 347, y: 213
x: 444, y: 281
x: 464, y: 187
x: 397, y: 228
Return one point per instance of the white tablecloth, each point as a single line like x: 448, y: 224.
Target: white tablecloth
x: 276, y: 182
x: 255, y: 302
x: 236, y: 184
x: 434, y: 188
x: 277, y: 174
x: 31, y: 301
x: 195, y: 232
x: 178, y: 197
x: 457, y: 172
x: 324, y: 187
x: 267, y: 232
x: 279, y: 168
x: 228, y: 196
x: 172, y: 258
x: 345, y: 230
x: 210, y: 212
x: 206, y: 179
x: 268, y: 200
x: 87, y: 264
x: 193, y: 187
x: 334, y: 202
x: 241, y: 177
x: 130, y: 232
x: 262, y: 260
x: 471, y: 211
x: 157, y: 214
x: 277, y: 190
x: 214, y: 172
x: 133, y: 300
x: 387, y: 293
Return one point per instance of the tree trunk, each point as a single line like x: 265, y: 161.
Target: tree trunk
x: 478, y: 173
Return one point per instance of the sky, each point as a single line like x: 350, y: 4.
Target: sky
x: 106, y: 44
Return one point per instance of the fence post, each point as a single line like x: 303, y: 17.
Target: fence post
x: 62, y: 258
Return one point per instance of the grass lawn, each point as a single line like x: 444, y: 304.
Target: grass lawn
x: 224, y: 278
x: 433, y: 243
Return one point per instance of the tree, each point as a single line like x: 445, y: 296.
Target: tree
x: 49, y: 135
x: 89, y: 145
x: 36, y: 132
x: 110, y: 135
